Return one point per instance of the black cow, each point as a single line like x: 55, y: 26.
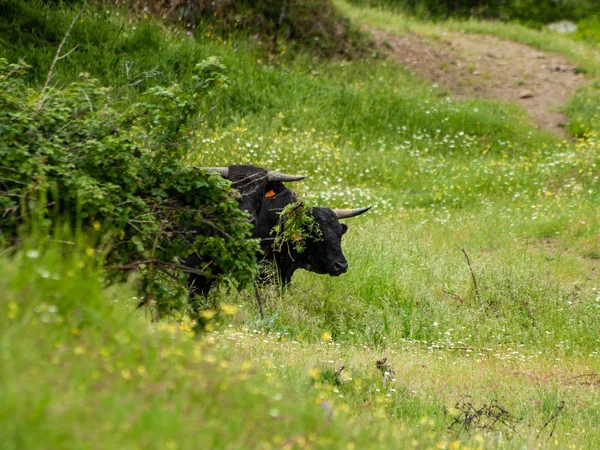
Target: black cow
x: 263, y: 196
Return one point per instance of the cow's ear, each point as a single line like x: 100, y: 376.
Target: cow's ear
x: 344, y: 228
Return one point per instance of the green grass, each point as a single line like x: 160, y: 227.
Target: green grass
x: 81, y: 368
x: 112, y: 48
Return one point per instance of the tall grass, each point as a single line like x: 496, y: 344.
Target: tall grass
x: 81, y: 369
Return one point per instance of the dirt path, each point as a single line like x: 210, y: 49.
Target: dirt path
x: 485, y: 66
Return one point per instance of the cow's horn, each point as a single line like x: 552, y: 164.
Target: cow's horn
x: 346, y: 213
x: 224, y: 171
x: 278, y: 176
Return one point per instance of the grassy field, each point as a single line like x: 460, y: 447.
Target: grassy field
x: 510, y: 361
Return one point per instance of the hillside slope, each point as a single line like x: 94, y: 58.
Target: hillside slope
x: 471, y: 66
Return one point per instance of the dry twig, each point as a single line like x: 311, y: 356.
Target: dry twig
x: 136, y: 264
x: 552, y: 420
x: 387, y: 373
x: 472, y: 275
x: 58, y: 57
x: 488, y: 417
x: 148, y: 298
x: 258, y: 301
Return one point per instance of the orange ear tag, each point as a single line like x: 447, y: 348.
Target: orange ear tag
x: 270, y: 194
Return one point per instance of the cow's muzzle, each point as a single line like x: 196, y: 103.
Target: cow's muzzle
x: 339, y: 267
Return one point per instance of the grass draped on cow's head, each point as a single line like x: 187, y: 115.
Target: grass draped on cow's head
x: 309, y: 239
x: 295, y: 227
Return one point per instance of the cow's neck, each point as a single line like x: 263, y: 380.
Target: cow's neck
x: 288, y: 261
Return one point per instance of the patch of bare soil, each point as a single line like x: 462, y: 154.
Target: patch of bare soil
x: 488, y: 67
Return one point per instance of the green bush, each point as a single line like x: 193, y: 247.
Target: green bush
x: 311, y: 25
x: 535, y: 12
x: 80, y: 154
x: 588, y: 30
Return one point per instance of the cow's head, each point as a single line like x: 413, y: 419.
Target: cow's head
x: 253, y: 183
x: 325, y: 255
x: 264, y: 196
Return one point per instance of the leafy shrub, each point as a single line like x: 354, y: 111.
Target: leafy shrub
x: 308, y: 24
x: 114, y: 168
x: 588, y: 30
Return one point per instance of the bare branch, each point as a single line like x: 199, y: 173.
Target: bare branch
x: 553, y: 419
x: 8, y: 194
x: 22, y: 216
x: 258, y: 301
x: 16, y: 69
x: 464, y: 347
x: 117, y: 37
x: 13, y: 181
x: 472, y: 275
x: 112, y: 130
x: 148, y: 298
x: 89, y: 101
x: 69, y: 52
x: 118, y: 126
x: 56, y: 58
x: 591, y: 374
x: 136, y: 264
